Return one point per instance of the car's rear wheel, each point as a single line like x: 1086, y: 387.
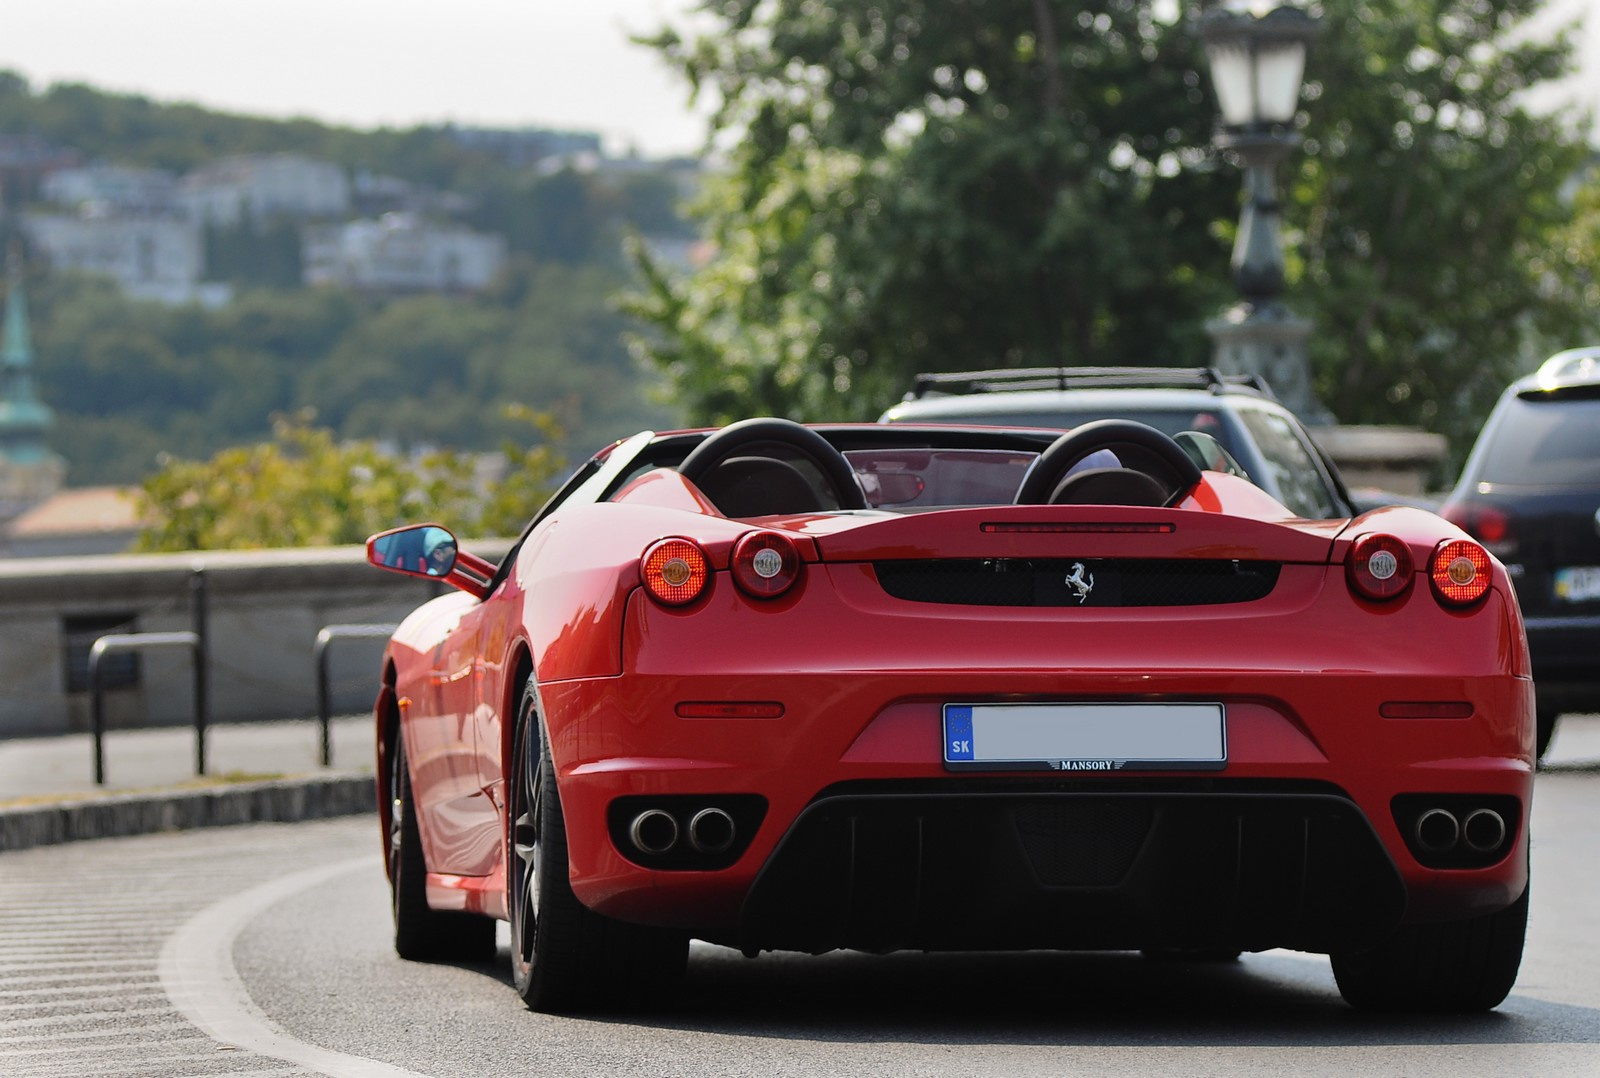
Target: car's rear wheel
x: 564, y: 956
x: 422, y: 933
x: 1458, y: 966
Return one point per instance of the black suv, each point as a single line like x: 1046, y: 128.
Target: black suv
x: 1530, y: 492
x: 1267, y: 440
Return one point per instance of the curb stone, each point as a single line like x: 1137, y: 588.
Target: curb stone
x: 272, y: 801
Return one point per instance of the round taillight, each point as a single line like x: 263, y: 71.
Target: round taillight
x: 1460, y: 572
x: 1378, y: 567
x: 675, y: 571
x: 765, y: 564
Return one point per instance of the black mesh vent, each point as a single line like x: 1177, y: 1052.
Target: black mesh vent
x: 1090, y: 582
x: 1074, y: 865
x: 1083, y: 843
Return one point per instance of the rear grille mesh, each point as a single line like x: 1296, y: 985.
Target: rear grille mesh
x: 1096, y: 582
x: 1083, y: 843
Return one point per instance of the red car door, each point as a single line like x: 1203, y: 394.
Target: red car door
x: 470, y: 843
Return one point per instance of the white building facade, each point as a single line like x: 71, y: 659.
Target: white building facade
x: 398, y: 253
x: 237, y: 190
x: 112, y: 189
x: 150, y: 257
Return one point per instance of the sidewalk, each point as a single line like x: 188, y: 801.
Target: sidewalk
x: 165, y: 756
x: 254, y: 772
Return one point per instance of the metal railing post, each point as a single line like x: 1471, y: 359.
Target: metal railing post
x: 97, y: 713
x: 202, y: 661
x: 325, y: 639
x: 133, y: 642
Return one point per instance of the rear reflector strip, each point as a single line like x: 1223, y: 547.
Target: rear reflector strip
x: 729, y: 709
x: 1425, y: 709
x: 1082, y: 528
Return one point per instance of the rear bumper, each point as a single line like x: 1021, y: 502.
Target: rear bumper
x: 864, y: 839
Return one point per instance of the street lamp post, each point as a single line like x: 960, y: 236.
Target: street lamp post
x: 1257, y: 63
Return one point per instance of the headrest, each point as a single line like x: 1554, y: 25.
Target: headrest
x: 759, y: 486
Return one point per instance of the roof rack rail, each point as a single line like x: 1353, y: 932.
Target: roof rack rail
x: 1574, y: 365
x: 1012, y: 379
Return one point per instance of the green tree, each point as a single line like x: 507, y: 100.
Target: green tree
x: 970, y: 183
x: 132, y: 129
x: 266, y: 255
x: 531, y: 474
x: 653, y: 203
x: 1571, y: 264
x: 132, y: 380
x: 306, y: 488
x: 1431, y: 204
x: 129, y: 380
x: 943, y: 185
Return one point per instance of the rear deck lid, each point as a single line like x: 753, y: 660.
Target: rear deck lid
x: 1056, y: 531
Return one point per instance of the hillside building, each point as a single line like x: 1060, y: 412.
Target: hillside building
x: 111, y: 189
x: 254, y: 189
x: 400, y: 253
x: 150, y: 256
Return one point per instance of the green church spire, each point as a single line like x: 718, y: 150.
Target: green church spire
x: 24, y: 420
x: 17, y: 349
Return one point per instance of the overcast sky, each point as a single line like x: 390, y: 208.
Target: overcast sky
x: 366, y: 63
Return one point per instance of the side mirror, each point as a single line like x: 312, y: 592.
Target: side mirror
x: 419, y: 550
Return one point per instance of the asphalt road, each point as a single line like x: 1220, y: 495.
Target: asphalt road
x: 264, y: 951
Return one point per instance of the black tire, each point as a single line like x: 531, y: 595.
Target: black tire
x: 421, y: 933
x: 1544, y: 730
x: 1459, y: 966
x: 564, y: 956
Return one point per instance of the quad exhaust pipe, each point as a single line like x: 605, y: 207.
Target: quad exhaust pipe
x: 711, y: 830
x: 655, y: 831
x: 1440, y: 831
x: 1483, y: 830
x: 1437, y: 830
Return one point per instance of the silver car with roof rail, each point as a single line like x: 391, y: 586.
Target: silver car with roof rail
x: 1269, y: 442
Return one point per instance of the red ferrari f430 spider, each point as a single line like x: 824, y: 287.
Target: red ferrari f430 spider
x: 786, y: 687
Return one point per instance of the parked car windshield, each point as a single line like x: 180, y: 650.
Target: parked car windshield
x: 929, y: 477
x: 1294, y: 470
x: 1545, y: 443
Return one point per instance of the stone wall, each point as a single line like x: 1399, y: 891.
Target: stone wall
x: 1403, y: 460
x: 263, y: 611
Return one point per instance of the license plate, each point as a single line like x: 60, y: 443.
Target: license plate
x: 1578, y: 584
x: 1085, y: 737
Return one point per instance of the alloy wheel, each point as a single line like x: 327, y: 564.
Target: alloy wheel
x: 524, y: 843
